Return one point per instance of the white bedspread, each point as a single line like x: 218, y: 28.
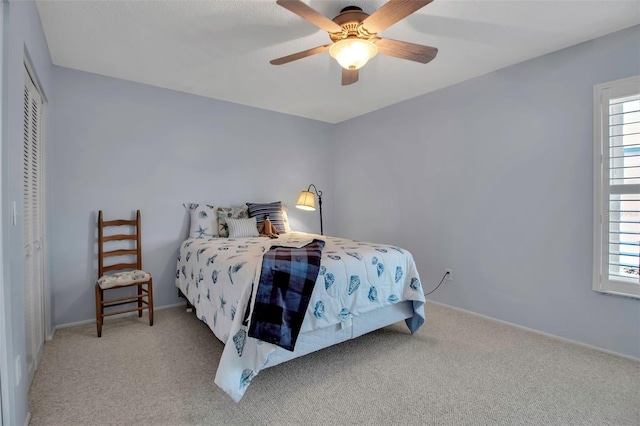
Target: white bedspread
x: 216, y: 276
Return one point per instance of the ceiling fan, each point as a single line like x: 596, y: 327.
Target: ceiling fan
x: 354, y: 35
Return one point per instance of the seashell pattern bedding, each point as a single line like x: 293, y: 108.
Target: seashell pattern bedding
x: 217, y: 276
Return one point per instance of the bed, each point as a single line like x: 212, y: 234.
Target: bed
x: 360, y: 287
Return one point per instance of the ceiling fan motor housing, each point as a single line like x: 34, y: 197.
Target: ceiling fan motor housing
x: 350, y: 19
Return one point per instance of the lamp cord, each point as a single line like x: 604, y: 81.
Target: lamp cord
x: 441, y: 281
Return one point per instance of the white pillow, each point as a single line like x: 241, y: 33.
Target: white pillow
x: 204, y: 221
x: 285, y: 220
x: 242, y: 228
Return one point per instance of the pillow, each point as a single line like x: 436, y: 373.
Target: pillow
x: 242, y: 228
x: 225, y: 213
x: 285, y: 220
x: 273, y: 210
x: 203, y: 220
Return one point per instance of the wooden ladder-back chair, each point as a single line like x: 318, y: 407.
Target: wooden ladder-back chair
x: 129, y: 275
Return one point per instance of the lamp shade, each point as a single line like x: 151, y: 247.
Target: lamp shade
x: 306, y: 201
x: 353, y: 53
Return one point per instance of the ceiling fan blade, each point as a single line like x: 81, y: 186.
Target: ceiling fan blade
x: 349, y: 76
x: 390, y: 13
x: 305, y: 12
x: 405, y: 50
x: 300, y: 55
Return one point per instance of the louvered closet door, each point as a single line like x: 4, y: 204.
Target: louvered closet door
x: 32, y: 215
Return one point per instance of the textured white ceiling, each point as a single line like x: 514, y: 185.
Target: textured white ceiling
x: 221, y: 49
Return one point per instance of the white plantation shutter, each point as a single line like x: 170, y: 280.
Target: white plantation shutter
x: 32, y: 223
x: 617, y: 187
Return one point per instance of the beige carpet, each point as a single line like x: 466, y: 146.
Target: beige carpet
x: 457, y: 370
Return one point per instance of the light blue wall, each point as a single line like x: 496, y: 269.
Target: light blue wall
x: 493, y: 178
x: 23, y: 40
x: 121, y: 146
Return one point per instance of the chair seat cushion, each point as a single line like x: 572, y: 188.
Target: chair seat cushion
x: 120, y: 279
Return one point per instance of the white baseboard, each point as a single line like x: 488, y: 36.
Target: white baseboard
x: 111, y: 318
x: 28, y: 419
x: 533, y: 330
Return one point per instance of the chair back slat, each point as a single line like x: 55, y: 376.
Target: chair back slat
x: 119, y: 223
x: 119, y: 266
x: 122, y: 252
x: 119, y: 237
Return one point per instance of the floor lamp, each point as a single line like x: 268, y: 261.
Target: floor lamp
x: 307, y: 201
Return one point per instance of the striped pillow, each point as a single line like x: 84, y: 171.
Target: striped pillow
x: 229, y: 212
x: 242, y: 228
x: 273, y: 210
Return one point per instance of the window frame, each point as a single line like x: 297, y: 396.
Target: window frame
x: 602, y: 93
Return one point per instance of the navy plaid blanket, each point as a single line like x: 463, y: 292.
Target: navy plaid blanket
x: 286, y: 282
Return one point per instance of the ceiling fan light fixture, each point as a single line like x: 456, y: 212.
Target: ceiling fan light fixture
x: 353, y: 53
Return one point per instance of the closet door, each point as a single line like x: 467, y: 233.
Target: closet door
x: 32, y: 215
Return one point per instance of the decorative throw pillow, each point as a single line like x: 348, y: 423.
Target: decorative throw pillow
x: 242, y: 228
x: 203, y: 220
x: 225, y: 213
x: 273, y: 210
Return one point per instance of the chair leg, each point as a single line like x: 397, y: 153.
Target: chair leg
x: 139, y: 300
x: 99, y: 312
x: 150, y: 300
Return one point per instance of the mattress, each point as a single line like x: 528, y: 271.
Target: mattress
x: 219, y: 277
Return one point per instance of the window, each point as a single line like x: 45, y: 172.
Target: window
x: 616, y: 250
